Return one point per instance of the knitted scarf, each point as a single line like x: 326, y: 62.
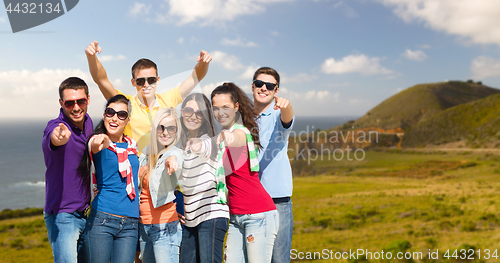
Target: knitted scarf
x: 124, y: 166
x: 220, y: 172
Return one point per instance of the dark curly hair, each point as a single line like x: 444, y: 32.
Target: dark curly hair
x: 246, y: 110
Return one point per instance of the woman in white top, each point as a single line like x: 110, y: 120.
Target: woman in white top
x: 206, y: 219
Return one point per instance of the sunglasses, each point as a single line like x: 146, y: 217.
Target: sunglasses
x: 187, y: 112
x: 259, y: 83
x: 110, y: 112
x: 169, y: 129
x: 142, y: 81
x: 69, y: 104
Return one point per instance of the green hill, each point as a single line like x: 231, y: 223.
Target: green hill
x: 476, y: 123
x: 419, y: 103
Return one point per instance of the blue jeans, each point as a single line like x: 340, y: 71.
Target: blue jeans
x: 65, y: 233
x: 160, y: 242
x: 204, y: 243
x: 111, y: 238
x: 283, y: 242
x: 250, y: 238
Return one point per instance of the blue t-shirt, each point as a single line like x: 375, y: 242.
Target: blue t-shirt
x: 275, y: 171
x: 112, y: 197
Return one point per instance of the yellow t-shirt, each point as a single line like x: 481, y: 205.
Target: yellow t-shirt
x: 142, y: 117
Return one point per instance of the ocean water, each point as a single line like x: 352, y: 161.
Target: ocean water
x: 22, y: 168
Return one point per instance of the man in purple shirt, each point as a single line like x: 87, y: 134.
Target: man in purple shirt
x: 66, y: 193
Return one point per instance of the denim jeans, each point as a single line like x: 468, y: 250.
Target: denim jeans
x: 250, y: 238
x: 205, y: 242
x: 160, y: 242
x: 283, y: 242
x: 110, y: 238
x: 65, y: 233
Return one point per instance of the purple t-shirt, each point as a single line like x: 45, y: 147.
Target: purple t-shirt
x: 64, y: 188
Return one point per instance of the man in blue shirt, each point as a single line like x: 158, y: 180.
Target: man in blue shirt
x: 275, y: 121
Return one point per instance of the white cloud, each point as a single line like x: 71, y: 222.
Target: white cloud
x: 194, y: 39
x: 38, y: 91
x: 311, y: 95
x: 229, y: 62
x: 2, y: 19
x: 417, y: 55
x: 274, y: 33
x: 485, y: 67
x: 425, y: 46
x: 207, y: 89
x: 118, y: 83
x: 180, y: 40
x: 298, y: 78
x: 248, y: 74
x: 238, y: 42
x: 355, y: 63
x: 206, y: 12
x: 477, y: 21
x: 139, y: 9
x: 346, y: 10
x: 104, y: 58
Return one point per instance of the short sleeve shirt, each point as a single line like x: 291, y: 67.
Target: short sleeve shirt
x: 275, y: 171
x: 141, y: 116
x: 64, y: 189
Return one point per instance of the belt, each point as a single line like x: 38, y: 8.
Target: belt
x: 281, y: 200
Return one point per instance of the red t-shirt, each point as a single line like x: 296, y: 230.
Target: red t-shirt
x: 246, y: 193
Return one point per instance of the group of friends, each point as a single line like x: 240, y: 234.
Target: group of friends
x: 116, y: 191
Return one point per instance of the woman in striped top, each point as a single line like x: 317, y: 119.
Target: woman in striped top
x: 253, y: 223
x: 206, y: 220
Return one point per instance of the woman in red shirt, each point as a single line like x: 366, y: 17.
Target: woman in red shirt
x: 253, y: 216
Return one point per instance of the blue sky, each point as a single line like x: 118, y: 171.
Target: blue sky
x: 336, y: 58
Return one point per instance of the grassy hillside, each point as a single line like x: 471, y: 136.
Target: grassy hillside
x: 395, y: 201
x: 476, y: 123
x: 400, y: 201
x: 421, y: 102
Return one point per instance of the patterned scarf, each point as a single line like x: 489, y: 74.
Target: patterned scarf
x: 124, y: 166
x: 220, y: 172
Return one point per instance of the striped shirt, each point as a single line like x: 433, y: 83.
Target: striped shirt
x: 200, y: 192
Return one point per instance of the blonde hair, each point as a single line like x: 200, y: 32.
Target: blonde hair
x: 155, y: 148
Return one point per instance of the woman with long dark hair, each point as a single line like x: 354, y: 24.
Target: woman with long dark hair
x: 253, y: 223
x: 111, y: 165
x: 206, y: 220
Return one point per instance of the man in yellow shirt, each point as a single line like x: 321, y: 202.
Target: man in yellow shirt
x: 145, y: 78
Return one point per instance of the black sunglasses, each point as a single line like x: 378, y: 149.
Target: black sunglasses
x: 170, y: 129
x: 259, y: 83
x: 110, y: 112
x: 69, y: 104
x: 187, y: 112
x: 142, y: 81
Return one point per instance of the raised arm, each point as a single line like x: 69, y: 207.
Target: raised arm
x: 285, y: 107
x: 98, y: 72
x: 199, y: 72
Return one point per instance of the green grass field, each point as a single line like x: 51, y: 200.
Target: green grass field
x: 407, y: 201
x: 399, y: 201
